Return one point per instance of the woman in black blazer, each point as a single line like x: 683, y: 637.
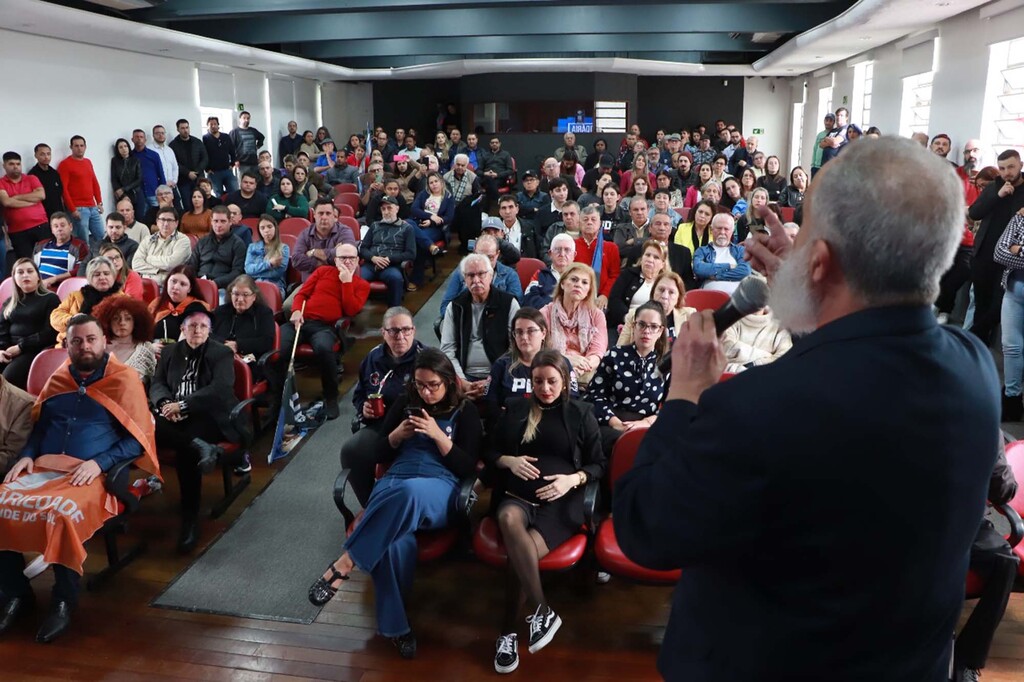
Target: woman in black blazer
x: 545, y: 449
x: 125, y: 171
x: 193, y: 395
x: 244, y: 323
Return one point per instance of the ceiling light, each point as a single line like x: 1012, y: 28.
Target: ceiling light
x: 818, y: 56
x: 943, y: 4
x: 865, y: 37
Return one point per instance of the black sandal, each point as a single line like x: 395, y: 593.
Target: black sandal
x: 322, y: 591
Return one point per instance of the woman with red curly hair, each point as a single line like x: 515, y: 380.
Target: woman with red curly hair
x: 128, y: 325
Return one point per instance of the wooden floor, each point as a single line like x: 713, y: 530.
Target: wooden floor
x: 610, y: 632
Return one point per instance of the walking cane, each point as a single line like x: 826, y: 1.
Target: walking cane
x: 295, y: 342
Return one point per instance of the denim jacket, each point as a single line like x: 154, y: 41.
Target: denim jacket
x: 705, y: 267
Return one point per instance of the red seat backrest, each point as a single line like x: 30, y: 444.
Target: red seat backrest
x: 6, y: 288
x: 350, y: 199
x: 208, y: 292
x: 271, y: 295
x: 346, y: 188
x: 150, y: 290
x: 293, y: 226
x: 243, y: 380
x: 526, y: 268
x: 193, y: 240
x: 787, y: 213
x: 42, y: 368
x: 252, y: 223
x: 292, y: 275
x: 624, y: 453
x: 352, y: 224
x: 705, y: 300
x: 71, y: 284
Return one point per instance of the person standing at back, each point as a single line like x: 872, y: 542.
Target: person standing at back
x: 848, y: 584
x: 83, y: 198
x: 247, y: 141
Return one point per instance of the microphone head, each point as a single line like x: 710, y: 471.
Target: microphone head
x: 750, y: 296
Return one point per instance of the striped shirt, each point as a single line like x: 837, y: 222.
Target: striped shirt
x: 54, y: 259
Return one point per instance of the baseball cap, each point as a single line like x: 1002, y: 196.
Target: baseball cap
x: 673, y: 136
x: 530, y: 174
x: 388, y: 199
x: 492, y: 223
x: 606, y: 160
x: 326, y: 140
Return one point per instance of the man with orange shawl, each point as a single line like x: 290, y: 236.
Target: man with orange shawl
x: 91, y: 416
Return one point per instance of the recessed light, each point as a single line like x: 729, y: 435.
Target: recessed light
x: 943, y: 4
x: 251, y: 64
x: 27, y: 25
x: 789, y: 70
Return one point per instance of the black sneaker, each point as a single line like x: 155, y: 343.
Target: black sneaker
x: 507, y: 657
x: 543, y: 627
x: 406, y: 645
x: 245, y: 467
x: 967, y: 675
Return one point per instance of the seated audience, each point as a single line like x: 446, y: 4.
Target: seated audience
x: 383, y: 377
x: 545, y: 449
x: 505, y: 278
x: 719, y: 266
x: 639, y: 188
x: 238, y: 228
x: 475, y: 327
x: 193, y: 394
x: 793, y: 194
x: 577, y: 327
x: 773, y: 180
x: 612, y: 213
x: 530, y: 199
x: 432, y: 440
x: 319, y: 304
x: 516, y: 231
x: 389, y: 243
x: 432, y: 213
x: 628, y: 387
x: 751, y: 220
x: 58, y: 257
x: 600, y: 254
x: 631, y: 235
x: 634, y: 286
x: 93, y: 412
x: 249, y: 200
x: 551, y: 212
x: 164, y: 250
x: 754, y: 340
x: 219, y: 256
x: 164, y: 199
x: 209, y: 198
x: 102, y: 282
x: 303, y: 186
x: 510, y: 374
x: 128, y: 326
x: 114, y: 234
x: 25, y: 322
x: 391, y: 189
x: 697, y: 233
x: 712, y: 191
x: 287, y: 202
x: 668, y: 290
x: 196, y: 220
x: 130, y: 281
x: 733, y: 198
x: 15, y: 422
x: 245, y: 323
x: 179, y: 292
x: 133, y: 229
x: 542, y: 285
x: 266, y: 260
x: 569, y: 224
x: 315, y: 246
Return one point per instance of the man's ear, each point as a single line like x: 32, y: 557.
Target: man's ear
x: 823, y: 263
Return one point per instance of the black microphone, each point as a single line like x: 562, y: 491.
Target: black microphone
x: 750, y: 296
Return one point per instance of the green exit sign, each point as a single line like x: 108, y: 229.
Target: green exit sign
x: 759, y: 131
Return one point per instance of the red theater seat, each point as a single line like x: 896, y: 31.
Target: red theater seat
x: 705, y: 300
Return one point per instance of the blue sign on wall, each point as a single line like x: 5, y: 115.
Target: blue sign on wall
x: 576, y: 124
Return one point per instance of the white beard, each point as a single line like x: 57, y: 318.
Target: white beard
x: 791, y: 299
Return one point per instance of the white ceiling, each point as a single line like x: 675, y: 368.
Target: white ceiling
x: 868, y: 24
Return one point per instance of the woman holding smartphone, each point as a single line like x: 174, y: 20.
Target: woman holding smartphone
x: 433, y: 439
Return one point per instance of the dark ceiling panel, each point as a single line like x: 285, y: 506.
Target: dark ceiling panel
x: 477, y: 45
x: 710, y: 18
x: 419, y: 59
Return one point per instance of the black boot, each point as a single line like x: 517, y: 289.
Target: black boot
x: 209, y: 454
x: 1013, y: 408
x: 57, y: 621
x: 189, y: 536
x: 13, y: 608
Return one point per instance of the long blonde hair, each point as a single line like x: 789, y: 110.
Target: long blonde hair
x: 547, y: 357
x: 272, y: 248
x: 17, y: 295
x: 559, y: 293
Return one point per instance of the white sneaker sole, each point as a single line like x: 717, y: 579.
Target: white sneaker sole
x: 548, y: 636
x: 505, y: 669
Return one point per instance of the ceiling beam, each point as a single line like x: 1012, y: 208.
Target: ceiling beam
x: 608, y: 42
x: 292, y: 28
x: 420, y: 59
x: 184, y: 10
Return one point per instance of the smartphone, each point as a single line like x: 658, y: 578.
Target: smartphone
x: 413, y: 412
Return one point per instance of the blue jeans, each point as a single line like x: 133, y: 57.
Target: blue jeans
x: 1013, y: 333
x: 425, y: 238
x: 223, y: 181
x: 89, y: 225
x: 384, y: 542
x: 392, y: 278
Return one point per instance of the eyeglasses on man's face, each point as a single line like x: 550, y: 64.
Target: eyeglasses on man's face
x: 399, y: 331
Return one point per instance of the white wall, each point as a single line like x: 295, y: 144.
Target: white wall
x: 766, y: 105
x: 347, y: 108
x: 958, y: 89
x: 66, y: 89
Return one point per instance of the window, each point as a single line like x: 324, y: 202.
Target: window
x: 917, y: 104
x: 796, y: 135
x: 610, y: 117
x: 216, y: 95
x: 863, y: 75
x: 824, y: 102
x: 1003, y: 113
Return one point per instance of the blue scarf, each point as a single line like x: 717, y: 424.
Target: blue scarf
x: 596, y: 261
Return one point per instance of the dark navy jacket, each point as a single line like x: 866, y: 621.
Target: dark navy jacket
x: 377, y: 363
x: 825, y: 535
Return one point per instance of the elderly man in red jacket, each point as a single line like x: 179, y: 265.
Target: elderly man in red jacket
x: 327, y: 296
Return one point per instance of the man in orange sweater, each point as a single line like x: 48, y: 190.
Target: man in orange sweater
x: 82, y: 196
x: 329, y: 294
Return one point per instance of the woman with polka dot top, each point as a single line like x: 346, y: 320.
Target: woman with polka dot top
x: 628, y: 388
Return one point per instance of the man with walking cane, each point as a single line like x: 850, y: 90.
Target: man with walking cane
x: 330, y: 294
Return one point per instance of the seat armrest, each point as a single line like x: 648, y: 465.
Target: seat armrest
x: 116, y: 483
x: 591, y: 492
x: 239, y: 418
x: 340, y: 485
x: 1016, y: 524
x: 467, y: 497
